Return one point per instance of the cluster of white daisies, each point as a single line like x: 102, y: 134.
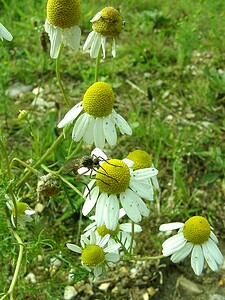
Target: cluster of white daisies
x: 120, y: 187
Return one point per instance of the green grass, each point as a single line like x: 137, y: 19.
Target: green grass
x: 175, y: 51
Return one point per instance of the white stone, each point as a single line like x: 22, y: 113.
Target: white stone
x: 70, y: 293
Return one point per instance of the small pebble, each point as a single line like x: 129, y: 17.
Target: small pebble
x: 70, y: 292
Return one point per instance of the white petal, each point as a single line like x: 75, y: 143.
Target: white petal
x: 143, y: 174
x: 29, y: 212
x: 104, y: 240
x: 100, y: 209
x: 97, y: 271
x: 173, y: 244
x: 4, y: 33
x: 89, y: 41
x: 127, y: 227
x: 88, y: 135
x: 80, y: 127
x: 90, y: 200
x: 112, y: 212
x: 155, y: 182
x: 182, y: 253
x: 114, y: 48
x: 215, y: 252
x: 109, y: 131
x: 209, y: 258
x: 88, y: 187
x: 74, y: 248
x: 96, y: 45
x: 143, y: 189
x: 93, y: 238
x: 96, y: 17
x: 197, y: 260
x: 128, y: 162
x: 113, y: 257
x: 55, y: 35
x: 144, y: 211
x: 171, y: 226
x: 99, y: 137
x: 71, y: 37
x: 71, y: 115
x: 130, y: 207
x: 97, y: 152
x: 213, y: 237
x: 121, y: 123
x: 103, y: 42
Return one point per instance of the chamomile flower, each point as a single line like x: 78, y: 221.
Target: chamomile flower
x: 62, y: 22
x: 98, y: 121
x: 195, y: 236
x: 122, y: 233
x: 107, y: 23
x: 4, y: 33
x: 95, y: 252
x: 117, y: 184
x: 142, y: 160
x: 24, y: 213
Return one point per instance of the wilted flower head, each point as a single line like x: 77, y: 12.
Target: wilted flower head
x: 62, y: 22
x: 98, y: 121
x: 22, y: 212
x: 195, y: 236
x: 96, y: 252
x: 4, y: 33
x: 106, y: 24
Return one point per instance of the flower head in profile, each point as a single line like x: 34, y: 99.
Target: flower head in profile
x: 143, y: 160
x: 195, y: 236
x: 107, y: 23
x: 122, y: 233
x: 95, y: 252
x: 22, y: 213
x: 62, y: 22
x: 4, y: 33
x: 98, y: 121
x: 118, y: 185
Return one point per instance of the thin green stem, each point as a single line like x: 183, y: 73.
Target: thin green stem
x: 23, y: 164
x: 97, y: 64
x: 46, y: 154
x: 5, y: 155
x: 136, y: 258
x: 132, y: 237
x: 59, y: 78
x: 17, y: 269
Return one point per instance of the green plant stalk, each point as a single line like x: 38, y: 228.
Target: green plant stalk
x: 132, y: 237
x: 97, y: 64
x: 23, y: 164
x: 17, y: 269
x: 38, y: 163
x: 59, y: 78
x: 136, y: 258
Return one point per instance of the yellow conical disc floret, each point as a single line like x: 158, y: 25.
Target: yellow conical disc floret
x: 63, y: 13
x: 21, y: 207
x: 102, y: 230
x: 98, y: 100
x: 92, y: 255
x: 196, y: 230
x: 113, y: 176
x: 141, y: 159
x: 109, y: 23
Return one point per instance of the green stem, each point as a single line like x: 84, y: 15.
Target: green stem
x: 38, y: 163
x: 132, y: 237
x: 58, y: 76
x: 17, y: 269
x: 97, y: 64
x: 5, y: 155
x: 23, y: 164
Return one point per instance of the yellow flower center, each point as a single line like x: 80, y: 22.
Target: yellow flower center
x: 92, y: 255
x: 141, y: 159
x: 103, y: 231
x: 196, y: 230
x: 63, y: 13
x: 110, y: 23
x: 98, y: 100
x: 113, y: 177
x: 21, y: 207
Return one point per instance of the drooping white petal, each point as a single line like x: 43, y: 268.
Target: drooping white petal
x: 213, y: 237
x: 90, y: 200
x: 96, y: 45
x: 71, y: 115
x: 173, y: 244
x: 100, y: 209
x: 99, y: 137
x: 88, y: 187
x: 80, y: 127
x: 143, y: 174
x: 74, y: 248
x: 171, y: 226
x: 127, y: 227
x: 96, y: 17
x: 182, y: 253
x: 143, y: 189
x: 215, y: 252
x: 4, y: 33
x: 29, y: 212
x: 97, y: 271
x: 71, y: 37
x: 121, y: 123
x: 109, y: 131
x: 197, y: 259
x: 89, y: 41
x: 114, y: 48
x: 209, y: 258
x: 55, y: 36
x: 111, y: 212
x: 88, y: 136
x: 130, y: 207
x: 103, y: 42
